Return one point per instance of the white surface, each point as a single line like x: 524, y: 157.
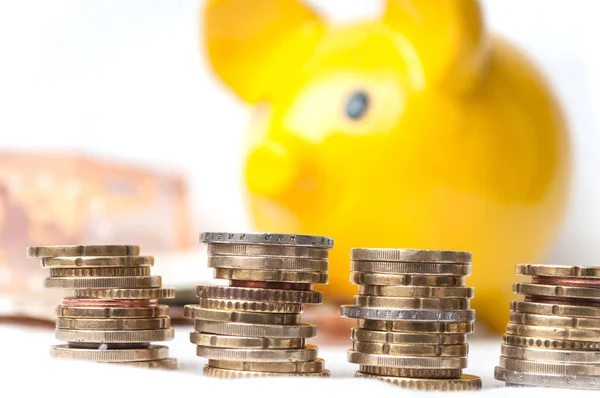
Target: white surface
x: 85, y: 75
x: 26, y: 368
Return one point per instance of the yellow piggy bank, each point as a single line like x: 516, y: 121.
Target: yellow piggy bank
x: 417, y: 129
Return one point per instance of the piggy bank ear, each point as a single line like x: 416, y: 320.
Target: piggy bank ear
x: 448, y: 37
x: 251, y: 42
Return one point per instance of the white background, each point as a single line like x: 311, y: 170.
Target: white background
x: 126, y: 79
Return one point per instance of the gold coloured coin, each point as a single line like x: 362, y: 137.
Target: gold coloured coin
x: 417, y: 327
x: 309, y: 353
x: 316, y: 366
x: 95, y: 262
x: 413, y: 303
x: 381, y: 267
x: 534, y: 289
x: 126, y: 282
x: 270, y: 275
x: 406, y: 361
x: 416, y: 291
x: 410, y: 255
x: 220, y: 249
x: 554, y: 321
x: 153, y: 352
x: 81, y: 250
x: 563, y: 369
x: 98, y: 272
x: 365, y: 278
x: 571, y: 345
x: 127, y: 294
x: 416, y: 373
x: 464, y: 383
x: 553, y: 333
x: 65, y: 311
x: 420, y: 350
x: 113, y: 324
x: 114, y: 336
x: 215, y: 340
x: 365, y: 335
x: 558, y: 270
x: 238, y: 374
x: 268, y: 263
x: 168, y: 363
x: 542, y: 355
x: 555, y: 309
x: 251, y: 306
x: 259, y: 294
x: 304, y: 330
x: 197, y: 312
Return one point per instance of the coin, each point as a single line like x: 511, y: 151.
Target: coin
x: 168, y: 363
x: 416, y: 291
x: 561, y: 369
x: 532, y: 289
x: 266, y: 250
x: 413, y: 338
x: 316, y: 366
x: 267, y: 239
x: 251, y: 306
x: 126, y: 282
x: 270, y: 285
x: 131, y: 294
x: 412, y: 302
x: 551, y: 343
x: 304, y: 330
x: 410, y: 268
x: 259, y: 294
x: 114, y: 336
x: 420, y: 350
x: 554, y: 321
x: 406, y: 361
x: 120, y: 303
x: 153, y: 352
x: 558, y: 270
x: 196, y: 312
x: 71, y: 251
x: 308, y: 353
x: 553, y: 333
x: 464, y: 383
x: 544, y: 380
x: 555, y: 309
x: 364, y: 278
x: 215, y: 340
x: 393, y: 314
x: 417, y: 326
x: 542, y: 355
x: 113, y: 323
x: 410, y: 255
x: 270, y: 275
x: 111, y: 312
x: 98, y: 272
x: 416, y: 373
x: 235, y: 374
x: 95, y: 262
x: 268, y: 263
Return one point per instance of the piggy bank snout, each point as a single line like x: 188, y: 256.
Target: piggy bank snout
x: 270, y: 169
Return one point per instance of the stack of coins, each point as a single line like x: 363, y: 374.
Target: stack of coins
x: 252, y: 327
x: 413, y: 318
x: 553, y: 337
x: 111, y: 312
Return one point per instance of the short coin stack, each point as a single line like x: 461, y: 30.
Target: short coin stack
x: 252, y: 327
x: 413, y: 318
x: 553, y: 337
x: 111, y: 313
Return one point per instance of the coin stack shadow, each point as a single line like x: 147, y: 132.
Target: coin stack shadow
x: 252, y: 327
x: 111, y: 312
x: 553, y: 336
x: 413, y: 317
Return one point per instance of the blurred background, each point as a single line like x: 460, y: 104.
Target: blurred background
x: 123, y: 88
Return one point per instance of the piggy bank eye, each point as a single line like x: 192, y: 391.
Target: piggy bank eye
x: 357, y: 105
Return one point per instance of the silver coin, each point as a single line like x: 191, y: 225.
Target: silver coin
x: 393, y: 314
x: 410, y: 255
x: 542, y: 380
x: 267, y: 239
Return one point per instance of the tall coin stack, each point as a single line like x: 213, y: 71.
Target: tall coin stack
x: 111, y: 312
x: 252, y: 327
x: 553, y: 336
x: 413, y: 318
